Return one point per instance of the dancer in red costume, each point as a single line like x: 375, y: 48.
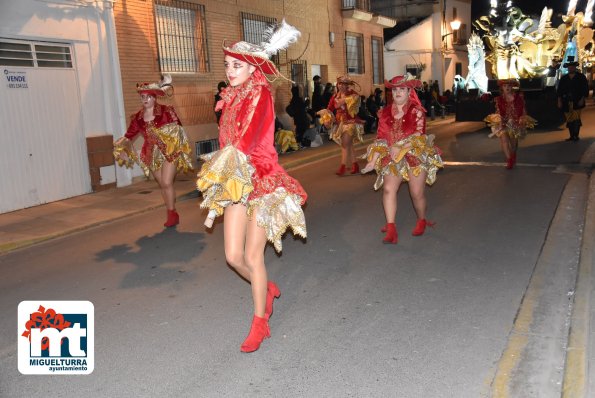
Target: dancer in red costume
x: 510, y: 122
x: 244, y: 180
x: 344, y: 124
x: 165, y: 150
x: 403, y: 151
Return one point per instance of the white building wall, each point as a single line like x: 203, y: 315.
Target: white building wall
x: 423, y: 44
x: 88, y: 28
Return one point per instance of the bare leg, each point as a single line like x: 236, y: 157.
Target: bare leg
x: 254, y: 260
x: 235, y: 222
x: 505, y: 145
x: 389, y: 197
x: 417, y: 187
x: 165, y: 178
x: 346, y: 149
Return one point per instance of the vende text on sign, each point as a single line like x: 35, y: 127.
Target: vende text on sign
x: 15, y: 79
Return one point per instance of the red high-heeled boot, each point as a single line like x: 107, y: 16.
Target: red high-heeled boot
x: 273, y: 292
x: 391, y: 233
x: 354, y: 168
x: 258, y: 332
x: 420, y: 226
x: 509, y: 163
x: 341, y: 170
x: 173, y: 218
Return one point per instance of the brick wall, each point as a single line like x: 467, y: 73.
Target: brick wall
x: 194, y: 94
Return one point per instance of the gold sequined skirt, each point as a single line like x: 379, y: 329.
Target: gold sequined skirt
x: 167, y: 143
x: 277, y: 212
x: 355, y: 130
x: 513, y: 130
x: 225, y: 179
x: 417, y: 154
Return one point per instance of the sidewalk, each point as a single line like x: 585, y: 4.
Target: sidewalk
x: 36, y: 224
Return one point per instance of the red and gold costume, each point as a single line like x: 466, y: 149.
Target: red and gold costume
x: 343, y: 119
x: 165, y: 139
x: 417, y: 151
x: 246, y: 170
x: 510, y: 117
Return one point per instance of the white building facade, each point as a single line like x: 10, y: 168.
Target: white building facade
x: 431, y: 47
x: 60, y: 85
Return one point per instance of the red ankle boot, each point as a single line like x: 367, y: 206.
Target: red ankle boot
x: 273, y: 292
x: 420, y: 227
x: 341, y: 170
x: 509, y: 163
x: 391, y: 234
x: 173, y: 219
x: 258, y: 332
x: 354, y: 168
x: 383, y: 229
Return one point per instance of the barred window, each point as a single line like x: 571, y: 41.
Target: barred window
x: 35, y: 54
x: 354, y: 49
x: 253, y: 28
x: 377, y: 61
x: 181, y: 36
x: 459, y: 36
x: 358, y: 4
x: 300, y: 77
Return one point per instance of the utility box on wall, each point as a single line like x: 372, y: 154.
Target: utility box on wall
x: 101, y: 162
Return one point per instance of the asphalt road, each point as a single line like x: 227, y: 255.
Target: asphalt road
x: 429, y: 317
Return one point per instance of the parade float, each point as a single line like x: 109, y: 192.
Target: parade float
x: 509, y: 44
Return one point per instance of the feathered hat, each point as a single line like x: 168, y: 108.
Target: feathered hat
x: 164, y: 87
x: 348, y: 81
x: 407, y: 80
x: 275, y: 38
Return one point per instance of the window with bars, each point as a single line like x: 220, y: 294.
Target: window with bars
x: 460, y: 35
x: 377, y: 61
x: 354, y: 51
x: 357, y: 4
x: 299, y: 75
x: 181, y: 36
x: 253, y: 28
x: 35, y: 54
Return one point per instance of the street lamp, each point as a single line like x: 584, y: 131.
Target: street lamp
x: 454, y: 25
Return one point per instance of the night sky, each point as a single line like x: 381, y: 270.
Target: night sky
x: 531, y: 7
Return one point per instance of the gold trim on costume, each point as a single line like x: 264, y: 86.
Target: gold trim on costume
x: 420, y: 146
x: 277, y: 211
x: 224, y: 179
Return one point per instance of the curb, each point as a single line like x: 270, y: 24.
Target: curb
x: 575, y: 382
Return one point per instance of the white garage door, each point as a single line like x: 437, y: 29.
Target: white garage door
x: 42, y: 144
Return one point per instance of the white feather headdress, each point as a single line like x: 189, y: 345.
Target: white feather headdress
x: 279, y: 38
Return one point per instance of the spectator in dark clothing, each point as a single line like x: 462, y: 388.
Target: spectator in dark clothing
x: 297, y: 110
x: 573, y: 90
x: 220, y: 86
x: 328, y: 92
x: 365, y: 115
x: 373, y: 110
x: 316, y: 96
